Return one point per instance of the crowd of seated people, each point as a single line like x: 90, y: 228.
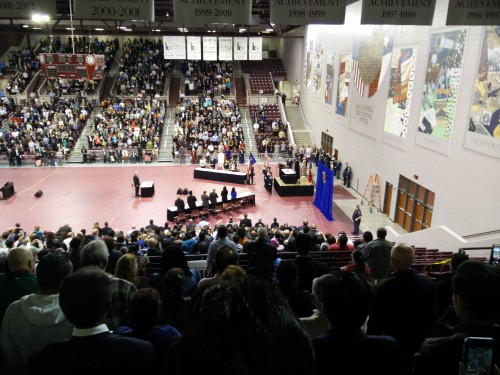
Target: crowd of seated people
x: 203, y: 77
x: 205, y: 128
x: 43, y: 132
x: 269, y: 131
x: 402, y: 336
x: 142, y: 68
x: 26, y: 64
x: 126, y: 130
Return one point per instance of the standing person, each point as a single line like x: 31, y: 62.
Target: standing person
x: 179, y: 203
x: 347, y: 175
x: 191, y: 201
x: 137, y: 183
x: 404, y: 306
x: 233, y: 195
x: 213, y: 199
x: 205, y: 200
x: 356, y: 218
x: 223, y: 194
x: 251, y: 175
x: 84, y: 298
x: 378, y: 254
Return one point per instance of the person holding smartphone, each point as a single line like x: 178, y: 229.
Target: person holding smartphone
x: 476, y: 299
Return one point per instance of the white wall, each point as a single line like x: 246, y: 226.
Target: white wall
x: 466, y: 183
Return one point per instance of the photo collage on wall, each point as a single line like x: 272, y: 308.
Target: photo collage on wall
x: 313, y: 69
x: 343, y: 84
x: 442, y: 82
x: 329, y: 80
x: 400, y: 91
x: 484, y: 123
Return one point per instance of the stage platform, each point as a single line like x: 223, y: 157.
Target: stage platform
x: 302, y: 189
x: 220, y: 175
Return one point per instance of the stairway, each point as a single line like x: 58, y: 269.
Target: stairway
x: 173, y: 95
x: 107, y: 84
x: 300, y: 131
x: 165, y: 149
x: 241, y: 92
x: 76, y: 153
x: 247, y: 126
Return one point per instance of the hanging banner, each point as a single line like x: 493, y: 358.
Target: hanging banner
x: 193, y: 47
x: 303, y: 12
x: 26, y: 9
x: 483, y: 131
x: 255, y: 48
x: 114, y: 10
x: 213, y: 11
x: 240, y: 48
x: 441, y: 89
x: 381, y: 12
x: 225, y: 48
x: 209, y: 48
x: 174, y: 47
x: 473, y: 13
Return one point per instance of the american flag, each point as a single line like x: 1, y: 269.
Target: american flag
x: 266, y: 160
x: 251, y: 161
x: 355, y: 66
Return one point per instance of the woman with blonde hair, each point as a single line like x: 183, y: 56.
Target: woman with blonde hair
x: 127, y: 269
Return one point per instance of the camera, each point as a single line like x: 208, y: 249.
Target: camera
x: 478, y: 355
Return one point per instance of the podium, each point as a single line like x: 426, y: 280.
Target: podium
x: 7, y: 190
x: 147, y: 189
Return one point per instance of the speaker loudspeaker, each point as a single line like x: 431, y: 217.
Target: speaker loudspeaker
x: 39, y: 193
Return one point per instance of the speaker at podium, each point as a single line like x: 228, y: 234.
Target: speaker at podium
x: 7, y: 190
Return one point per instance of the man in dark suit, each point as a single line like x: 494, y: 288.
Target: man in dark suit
x: 344, y: 348
x: 404, y: 306
x: 137, y: 183
x: 191, y: 201
x: 179, y: 203
x: 245, y: 222
x: 309, y: 268
x: 261, y: 254
x: 213, y: 198
x: 84, y: 298
x: 205, y: 200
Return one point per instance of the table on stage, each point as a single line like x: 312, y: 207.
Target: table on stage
x: 147, y: 189
x: 288, y: 176
x: 220, y: 175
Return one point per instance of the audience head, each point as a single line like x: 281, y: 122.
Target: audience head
x: 343, y: 240
x: 401, y: 257
x: 224, y: 256
x: 233, y: 275
x: 287, y: 273
x: 221, y: 231
x: 345, y: 298
x: 85, y: 297
x: 303, y: 243
x: 144, y: 309
x: 381, y: 233
x: 262, y: 232
x: 457, y: 259
x: 367, y: 236
x: 218, y: 320
x: 174, y: 257
x: 95, y: 253
x: 51, y: 270
x: 126, y: 268
x: 20, y: 259
x: 476, y: 292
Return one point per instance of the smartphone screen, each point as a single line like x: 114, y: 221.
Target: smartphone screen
x: 479, y: 356
x: 495, y: 255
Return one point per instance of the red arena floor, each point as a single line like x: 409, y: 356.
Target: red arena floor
x: 80, y: 196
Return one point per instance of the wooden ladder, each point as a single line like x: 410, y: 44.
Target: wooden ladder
x: 372, y: 192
